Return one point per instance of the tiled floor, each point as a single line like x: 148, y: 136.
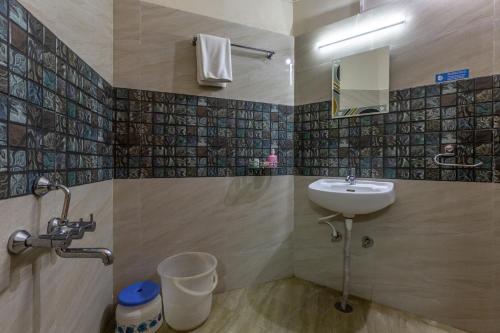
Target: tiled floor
x: 294, y: 305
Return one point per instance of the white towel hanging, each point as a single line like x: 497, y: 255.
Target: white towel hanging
x: 213, y: 55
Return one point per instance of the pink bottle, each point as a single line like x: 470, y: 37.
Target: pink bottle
x: 273, y: 159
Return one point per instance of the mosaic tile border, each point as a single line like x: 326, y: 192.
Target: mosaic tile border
x: 56, y: 115
x: 402, y: 143
x: 173, y: 135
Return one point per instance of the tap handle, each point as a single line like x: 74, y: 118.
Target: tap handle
x: 74, y: 233
x: 81, y: 224
x: 84, y: 225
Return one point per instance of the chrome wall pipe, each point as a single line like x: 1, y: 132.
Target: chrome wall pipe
x: 42, y: 186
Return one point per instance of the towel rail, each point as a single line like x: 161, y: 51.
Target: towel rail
x: 269, y: 54
x: 449, y: 152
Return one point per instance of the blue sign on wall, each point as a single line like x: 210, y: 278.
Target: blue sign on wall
x: 452, y: 76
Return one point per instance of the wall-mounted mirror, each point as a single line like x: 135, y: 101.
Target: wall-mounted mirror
x: 360, y: 84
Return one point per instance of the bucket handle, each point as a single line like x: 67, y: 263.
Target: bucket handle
x: 197, y: 293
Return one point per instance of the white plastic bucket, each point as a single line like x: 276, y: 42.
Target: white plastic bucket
x: 188, y: 280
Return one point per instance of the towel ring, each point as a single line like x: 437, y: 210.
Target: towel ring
x: 449, y: 151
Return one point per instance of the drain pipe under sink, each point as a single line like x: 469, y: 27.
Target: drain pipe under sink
x: 343, y: 306
x: 336, y: 236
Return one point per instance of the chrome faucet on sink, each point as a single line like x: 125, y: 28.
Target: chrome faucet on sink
x: 351, y: 178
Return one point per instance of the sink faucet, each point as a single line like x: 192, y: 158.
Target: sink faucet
x: 351, y: 178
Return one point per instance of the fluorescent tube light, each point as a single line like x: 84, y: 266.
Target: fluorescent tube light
x: 383, y: 26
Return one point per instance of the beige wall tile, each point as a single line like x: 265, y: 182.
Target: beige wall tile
x: 155, y: 53
x: 45, y: 293
x: 246, y: 222
x: 264, y: 14
x: 496, y: 51
x: 310, y: 15
x: 127, y: 43
x: 126, y: 20
x: 495, y: 308
x: 128, y: 265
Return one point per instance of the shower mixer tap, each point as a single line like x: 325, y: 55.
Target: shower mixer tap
x: 75, y: 229
x: 60, y: 231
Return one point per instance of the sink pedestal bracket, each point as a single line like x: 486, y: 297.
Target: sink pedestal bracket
x: 343, y: 306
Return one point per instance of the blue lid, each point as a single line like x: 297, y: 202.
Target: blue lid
x: 138, y: 293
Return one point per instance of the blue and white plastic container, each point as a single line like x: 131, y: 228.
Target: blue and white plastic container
x: 139, y: 308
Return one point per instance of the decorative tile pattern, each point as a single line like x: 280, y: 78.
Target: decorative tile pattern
x: 17, y: 86
x: 18, y: 14
x: 402, y: 143
x: 48, y: 125
x: 172, y: 135
x: 17, y: 63
x: 18, y: 37
x: 18, y: 184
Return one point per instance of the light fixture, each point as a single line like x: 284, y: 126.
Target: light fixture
x: 289, y: 63
x: 382, y: 25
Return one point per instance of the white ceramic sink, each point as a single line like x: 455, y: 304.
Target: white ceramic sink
x: 362, y: 198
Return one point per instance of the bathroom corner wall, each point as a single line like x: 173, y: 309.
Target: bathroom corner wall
x: 436, y: 251
x: 311, y: 15
x: 86, y: 26
x: 246, y: 222
x: 182, y: 151
x: 436, y: 248
x: 55, y: 120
